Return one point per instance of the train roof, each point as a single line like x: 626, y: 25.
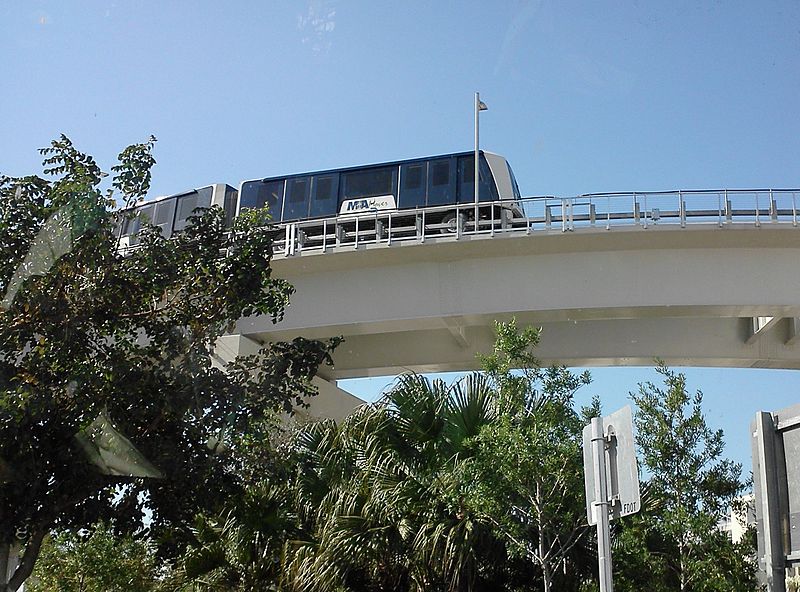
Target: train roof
x: 369, y: 166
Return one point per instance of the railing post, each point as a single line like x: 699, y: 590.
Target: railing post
x: 773, y: 207
x: 566, y: 214
x: 389, y: 239
x: 548, y: 217
x: 644, y: 214
x: 794, y: 209
x: 728, y: 208
x: 758, y: 213
x: 324, y: 236
x: 682, y: 209
x: 592, y: 214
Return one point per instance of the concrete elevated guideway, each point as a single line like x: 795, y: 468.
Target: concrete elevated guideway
x: 702, y: 285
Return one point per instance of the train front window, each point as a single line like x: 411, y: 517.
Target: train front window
x: 257, y: 194
x: 517, y: 194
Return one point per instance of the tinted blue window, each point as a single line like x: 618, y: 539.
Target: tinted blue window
x: 370, y: 182
x: 296, y: 206
x: 466, y: 180
x: 257, y: 194
x: 441, y: 182
x: 324, y: 195
x: 413, y: 185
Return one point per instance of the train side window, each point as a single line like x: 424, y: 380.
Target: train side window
x: 165, y: 212
x: 324, y: 191
x: 187, y: 205
x: 440, y: 174
x: 133, y: 226
x: 466, y: 179
x: 370, y: 183
x: 441, y: 182
x: 413, y: 177
x: 296, y: 205
x: 297, y: 190
x: 413, y: 185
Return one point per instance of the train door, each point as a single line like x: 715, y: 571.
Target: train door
x: 413, y: 185
x: 324, y: 193
x: 441, y: 182
x: 297, y: 194
x: 466, y: 179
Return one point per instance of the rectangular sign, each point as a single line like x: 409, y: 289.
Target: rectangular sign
x: 367, y: 204
x: 622, y: 471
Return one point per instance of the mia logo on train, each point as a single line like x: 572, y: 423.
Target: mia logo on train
x: 353, y: 206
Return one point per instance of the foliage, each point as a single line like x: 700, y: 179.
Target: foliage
x: 94, y: 344
x: 376, y: 494
x: 97, y: 561
x: 525, y: 473
x: 676, y: 544
x: 242, y: 547
x: 430, y: 488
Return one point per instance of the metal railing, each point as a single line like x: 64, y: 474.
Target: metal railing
x: 640, y: 209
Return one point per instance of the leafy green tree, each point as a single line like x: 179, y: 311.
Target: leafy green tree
x: 109, y: 401
x: 676, y: 544
x: 525, y: 475
x: 97, y: 561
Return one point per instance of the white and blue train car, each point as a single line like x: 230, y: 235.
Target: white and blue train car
x: 395, y: 188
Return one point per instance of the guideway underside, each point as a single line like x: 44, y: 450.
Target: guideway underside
x: 700, y: 295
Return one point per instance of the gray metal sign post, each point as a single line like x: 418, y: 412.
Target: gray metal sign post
x: 611, y: 480
x: 600, y: 505
x: 776, y: 484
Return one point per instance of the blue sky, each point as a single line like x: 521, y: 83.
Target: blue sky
x: 582, y: 96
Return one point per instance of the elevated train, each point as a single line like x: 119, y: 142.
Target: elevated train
x: 347, y: 194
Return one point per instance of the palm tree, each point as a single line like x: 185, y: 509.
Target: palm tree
x: 380, y: 494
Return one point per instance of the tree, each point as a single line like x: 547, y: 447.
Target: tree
x: 677, y: 545
x: 242, y: 547
x: 97, y: 561
x: 524, y: 475
x: 473, y: 486
x: 109, y: 401
x: 378, y: 495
